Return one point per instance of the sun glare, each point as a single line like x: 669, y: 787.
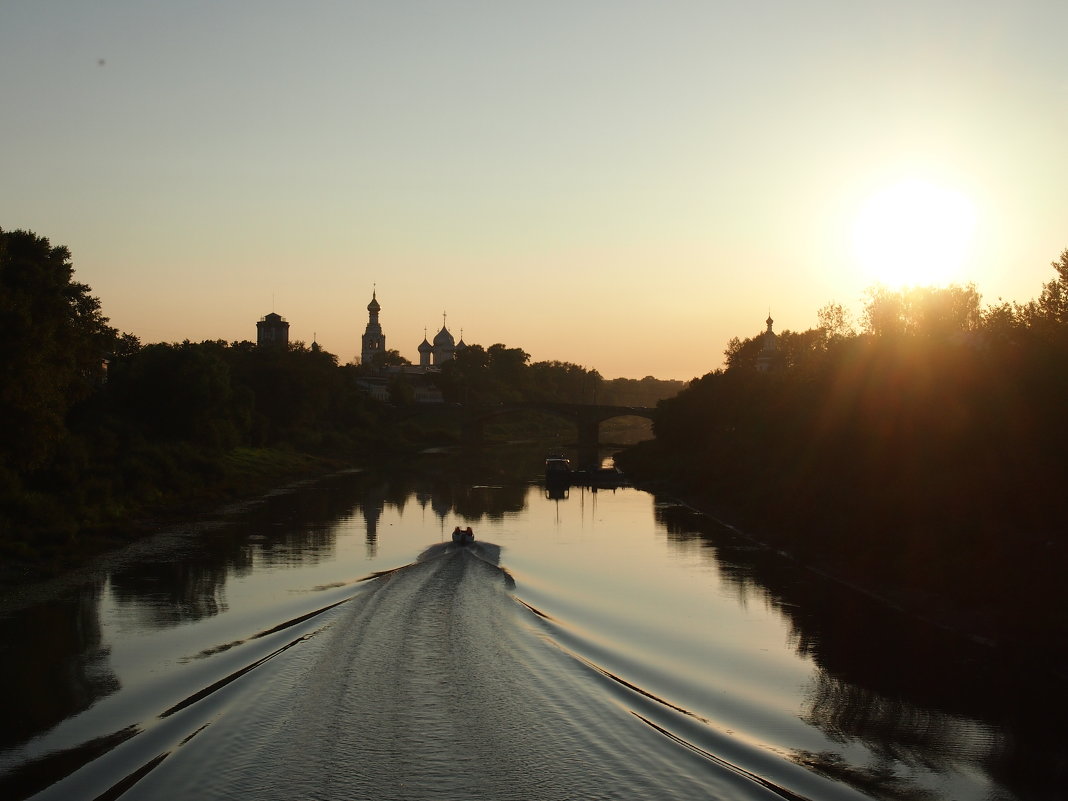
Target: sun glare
x: 914, y: 233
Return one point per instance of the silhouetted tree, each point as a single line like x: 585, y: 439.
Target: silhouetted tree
x: 292, y: 388
x: 647, y: 391
x: 835, y: 322
x: 794, y: 350
x: 53, y: 339
x: 1049, y: 311
x: 401, y: 392
x: 183, y: 392
x: 926, y: 453
x: 465, y: 378
x: 387, y: 358
x: 742, y: 353
x: 485, y: 375
x: 508, y: 368
x: 931, y: 312
x: 564, y: 382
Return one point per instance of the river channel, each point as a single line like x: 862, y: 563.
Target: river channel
x: 329, y: 642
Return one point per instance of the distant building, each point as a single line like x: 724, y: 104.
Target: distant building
x: 444, y: 348
x: 419, y: 377
x: 444, y: 345
x: 272, y: 330
x: 770, y: 358
x: 373, y: 341
x: 421, y: 382
x: 426, y: 352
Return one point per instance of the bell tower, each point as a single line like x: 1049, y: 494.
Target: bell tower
x: 374, y: 341
x: 769, y: 358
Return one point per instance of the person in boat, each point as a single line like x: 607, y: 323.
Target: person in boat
x: 462, y: 536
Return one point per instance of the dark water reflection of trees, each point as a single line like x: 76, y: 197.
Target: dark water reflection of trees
x: 68, y: 671
x: 300, y: 528
x: 909, y: 691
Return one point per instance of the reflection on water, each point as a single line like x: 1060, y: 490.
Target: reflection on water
x: 746, y: 646
x: 52, y: 664
x: 909, y: 691
x: 299, y: 528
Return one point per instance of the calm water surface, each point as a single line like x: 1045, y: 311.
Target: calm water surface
x: 330, y: 643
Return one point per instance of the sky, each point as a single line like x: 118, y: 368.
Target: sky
x: 623, y: 185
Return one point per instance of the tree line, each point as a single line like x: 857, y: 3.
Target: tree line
x: 96, y: 427
x: 921, y: 447
x: 499, y: 374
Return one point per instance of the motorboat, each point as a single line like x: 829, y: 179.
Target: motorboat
x: 560, y: 473
x: 557, y: 469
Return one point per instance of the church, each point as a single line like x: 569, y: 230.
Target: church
x: 417, y: 376
x: 431, y: 356
x: 769, y: 360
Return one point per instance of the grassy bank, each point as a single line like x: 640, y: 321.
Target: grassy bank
x: 60, y: 531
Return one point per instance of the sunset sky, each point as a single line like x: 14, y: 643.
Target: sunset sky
x: 625, y: 185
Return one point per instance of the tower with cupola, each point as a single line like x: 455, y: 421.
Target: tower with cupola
x: 426, y: 350
x: 769, y: 358
x: 373, y: 341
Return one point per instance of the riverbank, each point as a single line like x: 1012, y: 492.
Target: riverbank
x: 113, y: 498
x: 1016, y: 623
x: 911, y: 601
x: 239, y: 475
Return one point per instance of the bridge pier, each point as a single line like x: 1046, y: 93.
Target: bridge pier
x: 588, y: 440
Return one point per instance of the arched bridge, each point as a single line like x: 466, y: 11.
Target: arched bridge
x: 587, y: 417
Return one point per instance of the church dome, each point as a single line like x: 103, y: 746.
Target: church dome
x: 444, y: 338
x: 425, y: 347
x: 373, y: 305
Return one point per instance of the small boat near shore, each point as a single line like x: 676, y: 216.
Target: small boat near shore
x: 558, y: 469
x: 559, y: 472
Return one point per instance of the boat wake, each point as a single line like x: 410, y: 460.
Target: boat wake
x: 431, y: 680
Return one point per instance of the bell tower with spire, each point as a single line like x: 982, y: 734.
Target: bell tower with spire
x: 769, y: 358
x: 374, y: 341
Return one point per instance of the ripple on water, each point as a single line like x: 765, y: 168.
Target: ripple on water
x: 432, y: 681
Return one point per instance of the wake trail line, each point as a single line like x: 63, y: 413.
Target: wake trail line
x: 433, y: 681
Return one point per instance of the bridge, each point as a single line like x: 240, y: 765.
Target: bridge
x: 587, y: 417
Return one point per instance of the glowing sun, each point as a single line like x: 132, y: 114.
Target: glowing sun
x: 914, y: 233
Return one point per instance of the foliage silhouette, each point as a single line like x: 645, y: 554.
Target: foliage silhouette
x: 98, y: 430
x: 924, y: 455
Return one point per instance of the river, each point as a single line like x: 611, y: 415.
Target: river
x: 329, y: 642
